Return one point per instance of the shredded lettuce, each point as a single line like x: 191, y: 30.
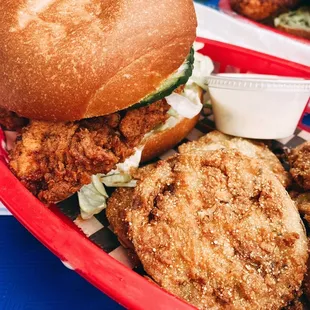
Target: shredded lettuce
x: 172, y: 112
x: 118, y: 180
x: 92, y: 198
x: 188, y: 103
x: 183, y: 106
x: 203, y: 67
x: 120, y: 177
x: 198, y: 46
x: 131, y: 162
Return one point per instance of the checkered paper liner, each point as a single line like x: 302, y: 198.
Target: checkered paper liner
x: 97, y: 228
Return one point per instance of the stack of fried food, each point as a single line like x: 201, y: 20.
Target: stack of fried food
x: 290, y: 16
x: 215, y: 225
x: 262, y: 9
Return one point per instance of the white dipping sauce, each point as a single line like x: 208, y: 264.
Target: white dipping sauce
x: 258, y: 109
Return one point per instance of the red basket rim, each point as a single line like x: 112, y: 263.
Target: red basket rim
x: 303, y: 69
x: 103, y: 271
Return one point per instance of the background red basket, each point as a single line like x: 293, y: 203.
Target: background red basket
x: 224, y: 5
x: 60, y: 235
x: 248, y: 61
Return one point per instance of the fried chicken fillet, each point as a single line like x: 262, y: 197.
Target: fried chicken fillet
x: 54, y: 160
x: 216, y: 140
x: 299, y: 159
x: 296, y: 304
x: 261, y: 9
x: 11, y: 121
x: 219, y: 231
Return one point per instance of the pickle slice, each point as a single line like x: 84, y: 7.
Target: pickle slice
x: 178, y: 78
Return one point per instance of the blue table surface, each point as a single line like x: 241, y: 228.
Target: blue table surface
x: 212, y: 3
x: 32, y: 278
x: 306, y: 120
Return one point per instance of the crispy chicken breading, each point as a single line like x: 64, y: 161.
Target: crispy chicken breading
x: 302, y: 201
x: 54, y: 160
x: 217, y: 140
x: 299, y: 159
x: 136, y: 123
x: 218, y: 231
x: 306, y: 283
x: 295, y: 305
x: 11, y: 121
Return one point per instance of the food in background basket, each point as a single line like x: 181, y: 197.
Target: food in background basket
x: 302, y: 201
x: 296, y: 304
x: 299, y: 159
x: 262, y: 9
x: 216, y: 229
x: 101, y: 82
x: 295, y: 22
x: 306, y: 283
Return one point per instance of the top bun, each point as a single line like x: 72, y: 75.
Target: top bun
x: 67, y: 60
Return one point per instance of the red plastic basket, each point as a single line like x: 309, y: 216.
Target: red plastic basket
x: 60, y: 235
x: 224, y: 5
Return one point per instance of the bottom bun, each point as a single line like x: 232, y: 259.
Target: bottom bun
x: 299, y: 32
x: 165, y: 140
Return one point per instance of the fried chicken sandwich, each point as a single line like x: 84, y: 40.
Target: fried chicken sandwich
x: 102, y: 84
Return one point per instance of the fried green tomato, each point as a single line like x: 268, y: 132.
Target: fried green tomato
x: 219, y: 231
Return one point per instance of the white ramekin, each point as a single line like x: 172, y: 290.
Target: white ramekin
x: 257, y: 106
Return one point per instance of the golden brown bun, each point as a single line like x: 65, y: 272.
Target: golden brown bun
x: 165, y: 140
x: 303, y: 33
x: 67, y: 60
